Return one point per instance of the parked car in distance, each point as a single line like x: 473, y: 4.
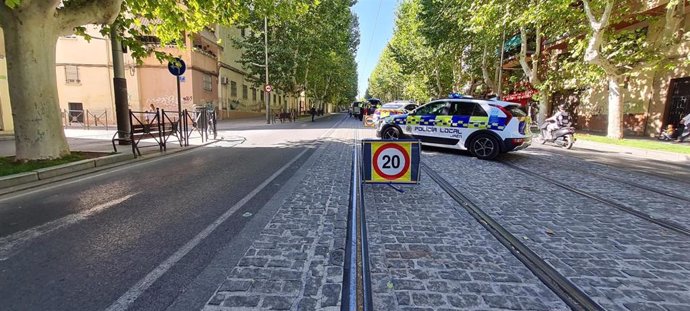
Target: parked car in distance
x: 393, y: 108
x: 356, y: 109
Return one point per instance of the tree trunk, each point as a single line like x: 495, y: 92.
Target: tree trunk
x: 439, y: 88
x: 615, y: 127
x: 30, y: 46
x: 485, y: 71
x: 543, y: 107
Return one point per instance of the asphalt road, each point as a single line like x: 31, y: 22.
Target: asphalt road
x: 84, y: 243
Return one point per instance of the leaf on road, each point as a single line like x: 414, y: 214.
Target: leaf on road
x: 389, y: 285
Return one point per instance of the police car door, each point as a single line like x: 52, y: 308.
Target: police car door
x: 423, y: 123
x: 462, y: 115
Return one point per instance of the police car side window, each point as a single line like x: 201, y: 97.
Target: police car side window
x: 433, y: 108
x: 441, y: 109
x: 479, y: 111
x: 463, y: 108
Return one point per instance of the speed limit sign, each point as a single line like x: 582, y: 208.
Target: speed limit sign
x: 390, y: 161
x: 268, y: 88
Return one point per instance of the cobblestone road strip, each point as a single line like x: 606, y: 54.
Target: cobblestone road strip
x: 654, y: 204
x: 297, y: 262
x: 565, y: 162
x: 427, y: 253
x: 621, y: 261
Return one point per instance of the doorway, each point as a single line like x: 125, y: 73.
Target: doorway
x: 678, y: 101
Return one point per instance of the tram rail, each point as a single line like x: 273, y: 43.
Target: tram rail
x: 573, y: 296
x: 629, y: 210
x: 357, y: 293
x: 626, y: 182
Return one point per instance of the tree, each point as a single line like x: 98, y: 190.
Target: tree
x: 31, y: 30
x: 312, y: 52
x: 620, y: 53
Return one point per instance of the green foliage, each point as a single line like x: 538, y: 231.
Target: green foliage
x: 638, y: 143
x: 9, y: 166
x: 313, y: 51
x: 12, y: 3
x: 411, y: 67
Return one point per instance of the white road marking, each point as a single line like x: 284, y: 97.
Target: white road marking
x: 140, y: 287
x: 10, y: 243
x: 135, y: 291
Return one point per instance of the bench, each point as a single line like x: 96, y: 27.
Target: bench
x: 155, y: 129
x: 284, y: 116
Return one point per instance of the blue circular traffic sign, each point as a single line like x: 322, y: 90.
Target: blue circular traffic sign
x: 177, y: 67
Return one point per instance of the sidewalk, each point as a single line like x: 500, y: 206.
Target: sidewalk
x: 638, y: 152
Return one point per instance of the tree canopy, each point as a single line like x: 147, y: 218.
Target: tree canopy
x: 32, y: 27
x: 454, y: 45
x: 313, y: 52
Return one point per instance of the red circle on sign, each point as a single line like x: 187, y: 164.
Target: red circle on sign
x: 405, y: 155
x: 268, y: 88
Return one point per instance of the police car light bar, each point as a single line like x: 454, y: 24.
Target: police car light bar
x: 458, y: 96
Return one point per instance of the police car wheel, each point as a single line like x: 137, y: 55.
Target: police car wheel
x: 391, y: 133
x: 484, y: 147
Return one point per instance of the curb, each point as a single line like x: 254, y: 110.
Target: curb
x: 58, y: 170
x: 12, y: 183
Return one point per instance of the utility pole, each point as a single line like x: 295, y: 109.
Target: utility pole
x: 267, y: 94
x: 119, y: 87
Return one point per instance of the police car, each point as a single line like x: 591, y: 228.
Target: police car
x: 392, y: 109
x: 484, y: 127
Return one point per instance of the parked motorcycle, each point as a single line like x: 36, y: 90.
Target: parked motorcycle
x: 563, y: 137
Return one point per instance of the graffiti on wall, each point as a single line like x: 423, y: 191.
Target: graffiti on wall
x: 169, y: 103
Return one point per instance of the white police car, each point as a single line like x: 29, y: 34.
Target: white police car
x: 484, y: 127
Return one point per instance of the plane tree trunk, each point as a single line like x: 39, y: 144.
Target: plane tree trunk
x: 30, y: 47
x: 31, y: 31
x: 613, y: 76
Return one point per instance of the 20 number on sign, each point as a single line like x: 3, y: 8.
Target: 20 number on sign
x: 391, y: 161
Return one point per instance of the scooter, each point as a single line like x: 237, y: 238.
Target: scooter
x: 562, y: 137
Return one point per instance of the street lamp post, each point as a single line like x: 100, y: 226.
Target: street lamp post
x: 267, y: 95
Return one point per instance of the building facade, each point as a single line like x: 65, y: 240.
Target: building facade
x: 213, y: 78
x: 651, y: 98
x: 6, y: 124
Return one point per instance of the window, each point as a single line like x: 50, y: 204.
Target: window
x: 233, y: 88
x: 254, y: 94
x: 207, y: 82
x: 464, y: 109
x: 479, y: 111
x: 435, y: 108
x: 280, y: 100
x: 274, y: 98
x: 243, y: 32
x: 72, y: 74
x: 76, y: 112
x: 245, y: 92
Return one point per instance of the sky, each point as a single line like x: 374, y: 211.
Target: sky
x: 376, y: 22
